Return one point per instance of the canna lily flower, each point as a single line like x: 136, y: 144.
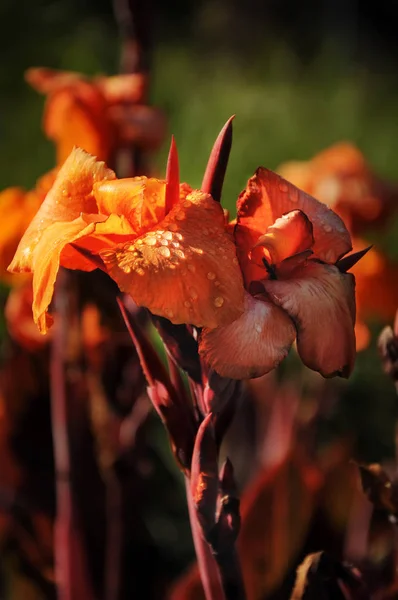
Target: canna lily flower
x: 164, y: 244
x: 288, y: 246
x: 98, y: 115
x: 341, y: 178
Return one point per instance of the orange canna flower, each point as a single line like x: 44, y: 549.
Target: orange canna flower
x: 17, y: 209
x: 341, y: 178
x: 164, y: 244
x: 288, y: 246
x: 98, y: 115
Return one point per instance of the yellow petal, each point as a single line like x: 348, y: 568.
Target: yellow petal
x: 71, y: 194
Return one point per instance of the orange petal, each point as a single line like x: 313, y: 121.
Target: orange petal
x: 45, y: 80
x: 108, y: 232
x: 252, y: 345
x: 289, y: 235
x: 76, y: 116
x: 140, y: 199
x: 71, y: 194
x: 266, y: 198
x: 321, y: 302
x: 126, y: 88
x: 46, y: 262
x: 186, y: 269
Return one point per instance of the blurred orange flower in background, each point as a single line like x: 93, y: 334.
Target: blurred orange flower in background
x: 341, y: 178
x: 99, y: 115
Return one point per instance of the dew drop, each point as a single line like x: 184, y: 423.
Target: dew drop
x: 169, y: 312
x: 327, y: 228
x: 164, y: 251
x: 175, y: 244
x: 187, y: 304
x: 187, y: 204
x: 283, y: 187
x: 173, y: 227
x: 211, y: 275
x: 167, y: 235
x: 179, y: 253
x: 127, y: 269
x: 164, y: 242
x: 150, y: 241
x: 193, y: 293
x: 235, y: 261
x: 191, y: 268
x: 180, y: 216
x: 179, y: 236
x: 219, y: 301
x: 258, y: 327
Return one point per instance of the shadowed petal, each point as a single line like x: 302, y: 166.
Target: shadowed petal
x: 252, y: 345
x: 266, y: 198
x: 321, y: 302
x: 70, y: 195
x: 289, y: 235
x: 185, y: 270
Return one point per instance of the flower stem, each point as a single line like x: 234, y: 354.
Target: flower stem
x: 208, y: 568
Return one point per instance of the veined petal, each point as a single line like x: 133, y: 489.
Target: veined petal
x: 46, y: 262
x: 70, y: 195
x: 252, y: 345
x: 185, y: 270
x: 266, y: 198
x: 321, y: 302
x: 289, y: 235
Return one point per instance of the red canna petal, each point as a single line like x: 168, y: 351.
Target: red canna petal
x: 252, y: 345
x: 172, y: 177
x: 186, y: 269
x: 289, y: 235
x: 70, y: 195
x: 266, y: 198
x: 321, y: 302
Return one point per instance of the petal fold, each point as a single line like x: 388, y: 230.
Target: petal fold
x: 266, y: 198
x: 70, y: 195
x: 290, y: 234
x: 185, y: 269
x: 252, y: 345
x: 321, y: 302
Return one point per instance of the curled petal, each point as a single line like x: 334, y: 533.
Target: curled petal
x: 46, y: 264
x: 252, y: 345
x: 140, y: 199
x: 71, y: 194
x: 321, y: 302
x: 289, y: 235
x: 185, y: 270
x: 127, y: 87
x: 266, y: 198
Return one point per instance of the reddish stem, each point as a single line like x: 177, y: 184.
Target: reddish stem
x: 70, y: 573
x: 208, y: 568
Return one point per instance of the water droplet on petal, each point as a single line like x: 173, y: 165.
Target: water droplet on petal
x: 219, y: 301
x: 258, y: 327
x: 235, y: 261
x: 327, y: 228
x: 164, y: 242
x: 180, y: 216
x: 150, y: 241
x: 179, y: 253
x: 175, y: 244
x: 191, y: 268
x: 167, y: 235
x: 211, y: 275
x: 178, y: 236
x: 283, y: 187
x: 173, y: 227
x: 187, y: 204
x: 169, y: 312
x: 193, y: 293
x: 164, y: 251
x: 187, y: 304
